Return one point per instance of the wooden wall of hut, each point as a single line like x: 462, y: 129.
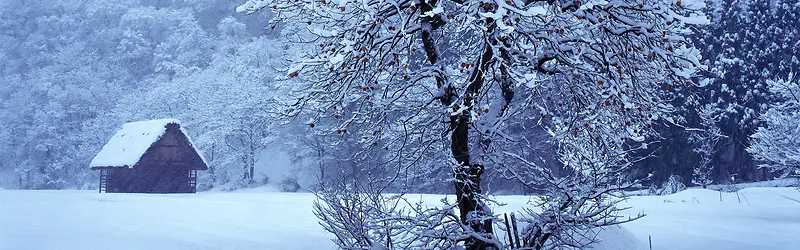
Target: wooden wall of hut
x: 169, y: 166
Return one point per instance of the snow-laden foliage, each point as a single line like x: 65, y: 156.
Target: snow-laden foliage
x: 777, y: 144
x: 73, y: 72
x: 226, y: 103
x: 747, y: 43
x: 578, y: 204
x: 55, y: 78
x: 403, y: 76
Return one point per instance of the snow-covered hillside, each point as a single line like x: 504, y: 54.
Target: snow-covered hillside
x: 766, y: 218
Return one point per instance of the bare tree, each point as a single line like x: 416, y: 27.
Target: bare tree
x: 416, y: 74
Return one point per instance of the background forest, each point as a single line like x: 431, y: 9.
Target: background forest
x: 72, y: 71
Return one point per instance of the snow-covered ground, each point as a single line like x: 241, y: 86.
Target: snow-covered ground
x: 753, y: 218
x: 766, y: 218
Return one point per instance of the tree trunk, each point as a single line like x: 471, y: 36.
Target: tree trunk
x: 473, y: 211
x: 468, y: 177
x: 252, y: 153
x: 468, y: 187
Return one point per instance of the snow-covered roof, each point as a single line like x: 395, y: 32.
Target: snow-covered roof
x: 128, y: 145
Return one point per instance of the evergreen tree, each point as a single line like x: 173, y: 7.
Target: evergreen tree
x: 748, y: 42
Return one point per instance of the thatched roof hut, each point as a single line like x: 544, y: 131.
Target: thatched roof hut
x: 149, y: 157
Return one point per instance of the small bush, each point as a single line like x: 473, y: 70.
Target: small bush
x: 289, y: 184
x: 204, y: 182
x: 264, y: 179
x: 673, y: 185
x: 653, y: 190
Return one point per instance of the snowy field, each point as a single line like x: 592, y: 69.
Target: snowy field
x: 760, y: 218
